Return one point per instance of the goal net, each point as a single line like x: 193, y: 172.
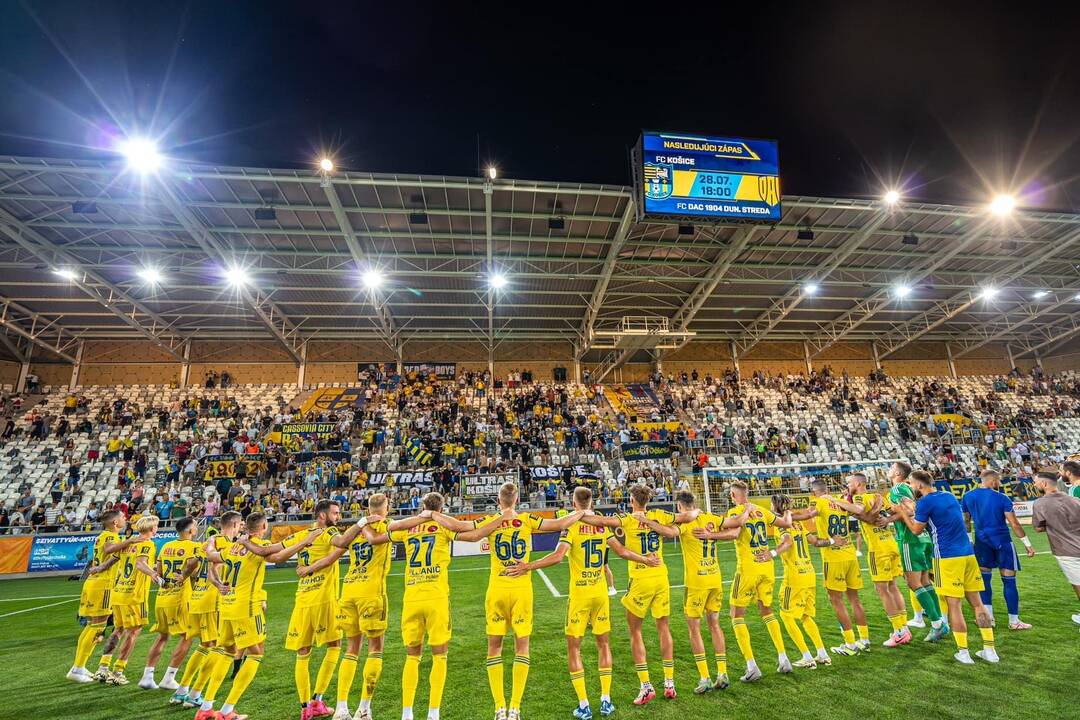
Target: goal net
x: 791, y: 479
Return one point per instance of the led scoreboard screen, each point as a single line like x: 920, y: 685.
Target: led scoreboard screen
x: 712, y: 177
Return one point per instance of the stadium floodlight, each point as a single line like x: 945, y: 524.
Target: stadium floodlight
x: 497, y: 280
x: 66, y: 273
x: 988, y: 293
x: 902, y: 291
x: 810, y: 288
x: 891, y: 197
x: 1002, y: 205
x: 237, y: 276
x: 1077, y: 296
x: 150, y: 275
x: 1040, y: 294
x: 373, y: 279
x: 326, y: 165
x: 142, y: 155
x: 492, y: 173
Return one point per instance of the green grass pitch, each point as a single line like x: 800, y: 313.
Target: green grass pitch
x: 1036, y: 677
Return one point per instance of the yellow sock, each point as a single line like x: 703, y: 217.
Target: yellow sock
x: 898, y: 622
x: 243, y: 678
x: 702, y: 666
x: 326, y: 670
x: 372, y: 671
x: 345, y: 676
x: 774, y: 633
x: 302, y: 675
x: 987, y: 637
x: 106, y: 660
x: 849, y: 636
x: 864, y: 632
x: 742, y: 637
x: 961, y: 639
x: 721, y: 663
x: 916, y: 606
x: 811, y: 629
x: 495, y: 680
x: 642, y: 671
x: 87, y: 640
x: 605, y: 682
x: 794, y: 633
x: 577, y: 679
x: 669, y: 669
x: 437, y: 680
x: 410, y: 678
x: 521, y: 676
x: 220, y: 670
x: 119, y: 666
x: 191, y: 671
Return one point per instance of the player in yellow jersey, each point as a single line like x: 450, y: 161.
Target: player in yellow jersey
x: 425, y: 610
x: 840, y: 567
x: 698, y: 535
x: 754, y: 580
x: 798, y: 589
x: 131, y: 592
x: 649, y: 590
x: 589, y: 604
x: 242, y: 623
x: 202, y: 617
x: 363, y: 610
x: 176, y: 562
x: 883, y: 554
x: 314, y: 615
x: 508, y: 604
x: 95, y: 600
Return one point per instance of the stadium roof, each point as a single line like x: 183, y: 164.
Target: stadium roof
x: 575, y: 257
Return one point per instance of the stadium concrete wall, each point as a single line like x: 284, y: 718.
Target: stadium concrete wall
x: 9, y: 373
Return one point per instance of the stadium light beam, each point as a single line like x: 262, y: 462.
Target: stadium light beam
x: 150, y: 275
x: 902, y: 291
x: 66, y: 273
x: 492, y: 172
x: 891, y: 198
x: 373, y: 279
x: 1040, y: 294
x: 326, y: 165
x: 237, y: 277
x: 810, y: 288
x: 142, y: 155
x: 497, y: 280
x: 988, y: 293
x: 1003, y: 205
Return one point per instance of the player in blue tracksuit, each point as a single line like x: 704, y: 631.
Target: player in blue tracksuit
x: 990, y: 511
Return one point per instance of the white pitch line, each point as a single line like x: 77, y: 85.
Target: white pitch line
x: 39, y: 597
x: 39, y: 607
x: 547, y: 582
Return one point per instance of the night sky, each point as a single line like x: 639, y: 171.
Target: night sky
x: 954, y: 100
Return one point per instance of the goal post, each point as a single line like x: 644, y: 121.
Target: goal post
x: 765, y: 479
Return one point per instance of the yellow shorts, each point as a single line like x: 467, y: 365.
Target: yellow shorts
x: 363, y: 616
x: 242, y: 632
x: 884, y: 566
x: 203, y: 626
x: 170, y: 620
x: 509, y: 611
x: 583, y: 612
x: 431, y: 618
x: 799, y: 601
x: 956, y: 576
x: 745, y: 589
x: 841, y: 575
x: 649, y: 595
x: 314, y: 625
x: 130, y: 616
x: 95, y: 600
x: 700, y: 601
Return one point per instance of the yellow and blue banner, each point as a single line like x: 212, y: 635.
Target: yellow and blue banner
x: 415, y: 450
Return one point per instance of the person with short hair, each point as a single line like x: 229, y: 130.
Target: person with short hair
x: 1070, y: 470
x: 1058, y: 515
x: 131, y: 592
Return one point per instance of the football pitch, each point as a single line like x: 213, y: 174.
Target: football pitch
x: 1036, y: 677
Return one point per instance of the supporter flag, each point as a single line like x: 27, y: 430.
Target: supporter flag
x: 415, y: 450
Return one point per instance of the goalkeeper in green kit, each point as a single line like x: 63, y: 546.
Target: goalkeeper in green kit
x: 916, y: 557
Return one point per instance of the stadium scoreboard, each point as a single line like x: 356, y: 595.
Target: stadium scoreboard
x: 681, y: 175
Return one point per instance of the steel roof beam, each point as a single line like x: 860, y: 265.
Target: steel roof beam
x: 13, y: 316
x: 596, y: 300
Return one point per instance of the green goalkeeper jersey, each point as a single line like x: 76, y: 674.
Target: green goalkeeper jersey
x: 903, y: 534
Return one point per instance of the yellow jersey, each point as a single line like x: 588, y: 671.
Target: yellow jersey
x: 509, y: 545
x: 204, y: 596
x: 108, y: 577
x: 798, y: 569
x: 132, y: 586
x: 753, y: 536
x: 878, y: 539
x: 832, y: 521
x: 637, y: 536
x: 320, y: 587
x: 427, y: 560
x: 173, y: 556
x: 368, y: 566
x: 243, y: 571
x: 701, y: 569
x: 588, y: 555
